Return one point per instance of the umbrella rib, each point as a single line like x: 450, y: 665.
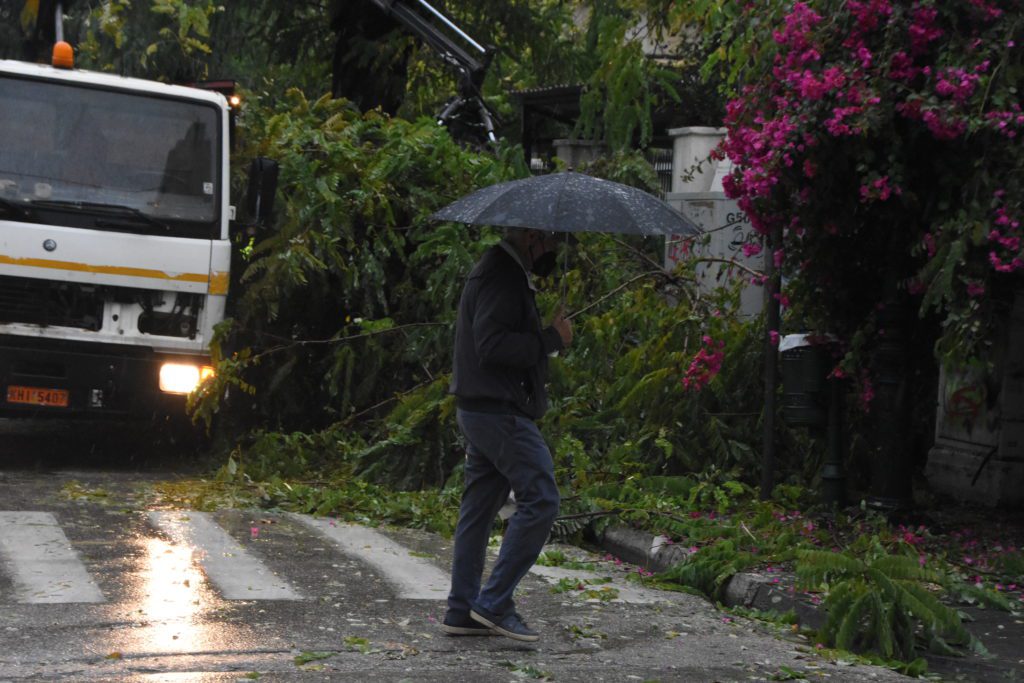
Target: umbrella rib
x: 558, y: 198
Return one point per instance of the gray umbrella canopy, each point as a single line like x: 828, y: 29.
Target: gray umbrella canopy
x: 569, y: 202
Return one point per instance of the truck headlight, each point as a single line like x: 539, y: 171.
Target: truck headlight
x: 182, y: 378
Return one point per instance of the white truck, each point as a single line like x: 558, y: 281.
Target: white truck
x: 114, y: 245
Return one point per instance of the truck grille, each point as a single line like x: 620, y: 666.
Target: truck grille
x: 43, y: 302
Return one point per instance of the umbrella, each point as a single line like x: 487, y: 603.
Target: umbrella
x: 569, y: 202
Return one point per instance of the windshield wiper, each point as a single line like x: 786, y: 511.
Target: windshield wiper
x: 105, y: 209
x: 12, y: 207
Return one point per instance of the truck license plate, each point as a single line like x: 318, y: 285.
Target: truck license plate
x: 57, y: 398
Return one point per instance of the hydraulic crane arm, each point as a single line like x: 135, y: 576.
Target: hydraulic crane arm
x: 471, y: 69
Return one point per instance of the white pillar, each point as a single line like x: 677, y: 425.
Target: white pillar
x: 692, y: 145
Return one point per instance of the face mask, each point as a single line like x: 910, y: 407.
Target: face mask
x: 545, y: 264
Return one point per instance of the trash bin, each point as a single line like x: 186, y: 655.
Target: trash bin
x: 805, y: 368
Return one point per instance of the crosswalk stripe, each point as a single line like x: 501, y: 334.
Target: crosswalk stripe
x: 43, y: 565
x: 233, y: 570
x: 413, y: 577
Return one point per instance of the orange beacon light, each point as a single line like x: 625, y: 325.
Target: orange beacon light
x: 63, y: 55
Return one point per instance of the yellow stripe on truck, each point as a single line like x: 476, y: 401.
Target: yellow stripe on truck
x: 218, y: 282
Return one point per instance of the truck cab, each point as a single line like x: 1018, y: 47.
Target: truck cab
x: 114, y: 247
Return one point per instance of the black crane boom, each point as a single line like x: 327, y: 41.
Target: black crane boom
x: 471, y: 70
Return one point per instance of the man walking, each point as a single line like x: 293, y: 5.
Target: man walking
x: 499, y: 376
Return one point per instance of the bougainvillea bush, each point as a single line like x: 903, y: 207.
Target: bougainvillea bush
x: 877, y: 148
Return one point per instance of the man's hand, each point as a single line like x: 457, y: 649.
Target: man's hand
x: 562, y: 325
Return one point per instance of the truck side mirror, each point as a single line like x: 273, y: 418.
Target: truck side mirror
x: 259, y: 199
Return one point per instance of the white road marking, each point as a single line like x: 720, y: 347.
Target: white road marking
x: 43, y: 565
x: 230, y: 567
x: 413, y: 577
x: 626, y: 592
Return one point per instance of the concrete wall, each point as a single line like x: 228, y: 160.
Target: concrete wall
x: 978, y: 454
x: 728, y: 229
x: 700, y: 198
x: 578, y: 153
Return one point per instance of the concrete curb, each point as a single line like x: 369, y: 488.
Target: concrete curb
x: 746, y: 589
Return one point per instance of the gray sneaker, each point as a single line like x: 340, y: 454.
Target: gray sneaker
x: 511, y: 625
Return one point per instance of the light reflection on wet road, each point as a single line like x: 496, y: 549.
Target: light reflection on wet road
x: 173, y: 602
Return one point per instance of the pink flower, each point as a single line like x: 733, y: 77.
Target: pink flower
x: 989, y: 11
x: 929, y: 244
x: 867, y: 393
x: 901, y: 67
x: 869, y: 14
x: 773, y: 337
x: 956, y: 83
x: 706, y: 364
x: 923, y: 31
x: 751, y: 249
x: 998, y: 264
x: 878, y: 189
x: 865, y: 57
x: 942, y: 126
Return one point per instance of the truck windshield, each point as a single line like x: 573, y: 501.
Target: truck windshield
x: 69, y: 153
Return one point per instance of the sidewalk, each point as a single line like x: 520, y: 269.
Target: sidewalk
x: 1000, y: 632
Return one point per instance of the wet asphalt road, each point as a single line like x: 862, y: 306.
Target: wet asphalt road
x: 161, y: 611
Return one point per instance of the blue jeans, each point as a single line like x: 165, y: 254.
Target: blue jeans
x: 502, y: 452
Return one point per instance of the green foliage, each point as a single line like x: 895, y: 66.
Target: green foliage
x: 623, y: 90
x: 521, y: 670
x: 883, y: 603
x: 342, y: 323
x: 787, y: 619
x: 166, y: 40
x: 348, y: 303
x: 1011, y: 564
x: 556, y: 558
x: 972, y: 594
x: 709, y: 569
x: 308, y: 656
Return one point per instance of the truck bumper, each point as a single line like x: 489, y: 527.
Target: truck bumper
x: 42, y: 378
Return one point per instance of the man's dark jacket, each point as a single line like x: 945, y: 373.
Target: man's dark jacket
x: 501, y: 349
